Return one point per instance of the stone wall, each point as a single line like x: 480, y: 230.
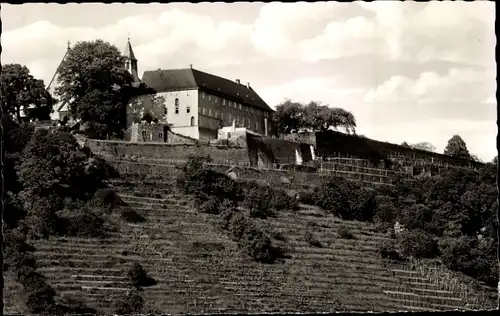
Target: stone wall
x: 123, y: 149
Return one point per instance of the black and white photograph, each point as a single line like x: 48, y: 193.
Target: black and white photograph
x: 248, y: 158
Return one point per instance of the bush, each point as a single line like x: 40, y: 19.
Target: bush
x: 387, y: 250
x: 210, y: 206
x: 131, y: 216
x: 257, y: 244
x: 345, y: 233
x: 418, y: 243
x: 81, y: 223
x: 334, y: 196
x: 131, y: 303
x: 307, y: 197
x: 107, y: 200
x: 138, y: 277
x: 237, y: 225
x: 311, y: 239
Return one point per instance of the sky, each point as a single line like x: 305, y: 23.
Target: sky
x: 408, y: 71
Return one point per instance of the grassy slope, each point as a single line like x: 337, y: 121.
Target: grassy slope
x: 200, y: 269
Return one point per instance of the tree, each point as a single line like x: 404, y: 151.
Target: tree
x: 457, y: 148
x: 424, y: 146
x: 96, y: 86
x: 313, y: 116
x: 405, y: 144
x: 288, y: 116
x: 21, y: 92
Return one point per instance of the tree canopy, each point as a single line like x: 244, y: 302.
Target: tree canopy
x: 23, y: 93
x: 97, y: 86
x: 424, y: 146
x: 291, y: 115
x: 457, y: 148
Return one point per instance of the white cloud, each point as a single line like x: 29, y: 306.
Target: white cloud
x: 464, y: 84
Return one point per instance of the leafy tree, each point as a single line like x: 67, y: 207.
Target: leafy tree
x: 314, y: 116
x: 52, y: 162
x: 21, y: 92
x: 457, y: 148
x: 424, y: 146
x: 96, y: 85
x: 288, y: 116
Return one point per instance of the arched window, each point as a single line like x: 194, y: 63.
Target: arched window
x: 192, y: 120
x: 188, y: 109
x: 176, y: 105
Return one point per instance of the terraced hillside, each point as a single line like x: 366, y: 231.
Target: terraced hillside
x: 200, y: 269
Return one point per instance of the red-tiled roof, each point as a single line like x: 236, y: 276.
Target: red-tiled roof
x: 183, y: 79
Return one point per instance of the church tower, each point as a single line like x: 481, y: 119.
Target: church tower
x: 131, y: 61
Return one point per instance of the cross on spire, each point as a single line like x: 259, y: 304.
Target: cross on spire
x: 69, y: 43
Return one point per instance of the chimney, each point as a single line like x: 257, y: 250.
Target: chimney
x: 238, y: 81
x: 248, y: 85
x: 191, y: 66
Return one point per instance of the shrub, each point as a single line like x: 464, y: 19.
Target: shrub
x: 311, y: 239
x: 81, y: 223
x: 237, y: 225
x: 107, y: 200
x: 365, y: 205
x: 210, y: 206
x: 345, y: 233
x: 418, y: 243
x: 307, y: 197
x: 387, y: 250
x: 131, y: 216
x: 257, y: 244
x: 334, y: 197
x: 138, y: 277
x: 131, y: 303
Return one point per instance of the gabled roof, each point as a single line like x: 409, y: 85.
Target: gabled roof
x: 183, y: 79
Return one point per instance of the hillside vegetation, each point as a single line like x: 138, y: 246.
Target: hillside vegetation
x: 205, y: 242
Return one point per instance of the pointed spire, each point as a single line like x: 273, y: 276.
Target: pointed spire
x: 129, y: 52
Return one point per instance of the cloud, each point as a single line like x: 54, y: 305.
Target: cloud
x: 458, y: 93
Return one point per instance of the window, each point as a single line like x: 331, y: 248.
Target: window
x: 209, y: 112
x: 216, y: 99
x: 256, y: 126
x: 228, y: 134
x: 202, y: 95
x: 192, y: 120
x: 165, y: 110
x: 223, y: 102
x: 203, y: 111
x: 221, y: 115
x: 209, y: 97
x: 144, y: 134
x: 246, y: 108
x: 229, y: 118
x: 176, y: 105
x: 239, y: 104
x: 188, y: 109
x: 150, y: 136
x: 160, y: 135
x: 248, y: 123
